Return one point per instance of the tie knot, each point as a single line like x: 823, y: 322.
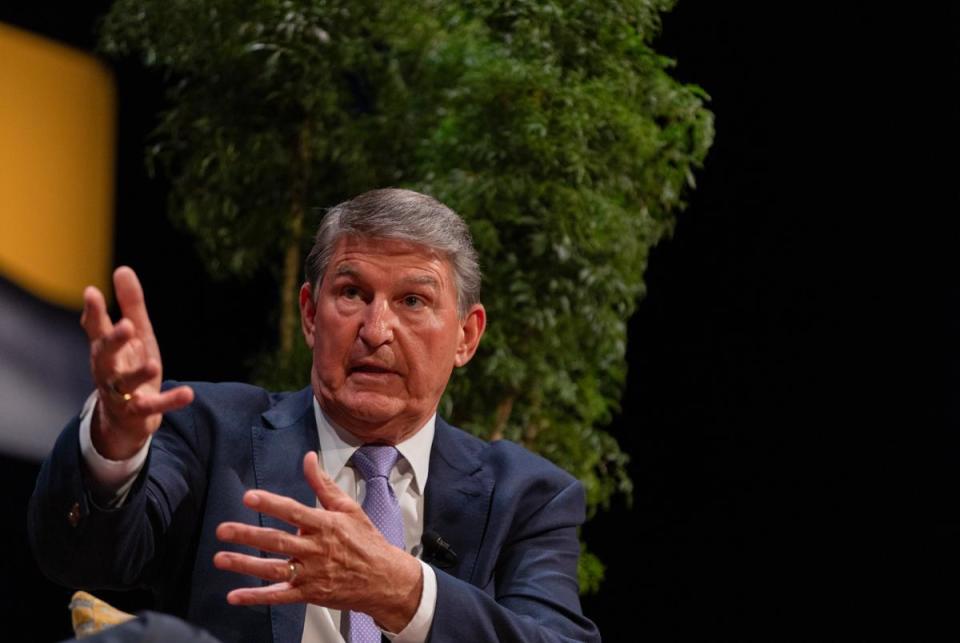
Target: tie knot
x: 373, y: 460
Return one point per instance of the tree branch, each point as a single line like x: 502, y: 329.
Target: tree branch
x: 504, y: 408
x: 289, y: 286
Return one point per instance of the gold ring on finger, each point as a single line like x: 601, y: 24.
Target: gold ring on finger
x: 117, y: 393
x: 293, y: 569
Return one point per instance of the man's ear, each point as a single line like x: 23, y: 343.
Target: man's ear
x: 471, y: 330
x: 308, y: 313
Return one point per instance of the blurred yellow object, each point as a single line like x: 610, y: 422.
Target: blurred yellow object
x: 91, y: 615
x: 57, y: 122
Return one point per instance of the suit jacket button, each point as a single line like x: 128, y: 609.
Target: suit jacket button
x: 73, y: 516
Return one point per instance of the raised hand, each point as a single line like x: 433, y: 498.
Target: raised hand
x: 337, y: 558
x: 126, y: 367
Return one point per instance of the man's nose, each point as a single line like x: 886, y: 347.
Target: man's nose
x: 378, y: 323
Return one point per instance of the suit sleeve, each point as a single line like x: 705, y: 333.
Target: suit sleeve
x: 535, y: 593
x: 79, y: 544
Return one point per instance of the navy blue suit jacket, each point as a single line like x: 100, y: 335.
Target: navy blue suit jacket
x: 510, y: 516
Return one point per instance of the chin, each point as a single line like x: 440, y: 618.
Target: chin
x: 370, y: 408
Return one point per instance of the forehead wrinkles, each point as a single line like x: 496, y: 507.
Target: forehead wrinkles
x: 432, y: 274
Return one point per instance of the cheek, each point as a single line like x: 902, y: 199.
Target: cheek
x: 435, y: 352
x: 331, y: 344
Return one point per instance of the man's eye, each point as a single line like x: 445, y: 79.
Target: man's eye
x: 350, y: 292
x: 412, y: 301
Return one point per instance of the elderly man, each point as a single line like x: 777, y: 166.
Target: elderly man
x: 196, y: 490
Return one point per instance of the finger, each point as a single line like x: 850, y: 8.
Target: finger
x: 263, y: 538
x: 117, y: 354
x: 272, y: 569
x: 132, y: 380
x: 129, y: 382
x: 131, y: 300
x: 94, y: 319
x: 276, y: 594
x: 285, y: 509
x: 111, y: 343
x: 151, y: 403
x: 331, y: 497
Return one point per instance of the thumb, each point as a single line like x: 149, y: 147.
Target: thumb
x: 328, y: 493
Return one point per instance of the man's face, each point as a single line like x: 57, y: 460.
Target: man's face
x: 386, y: 336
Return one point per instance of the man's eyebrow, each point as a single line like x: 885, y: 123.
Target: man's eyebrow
x: 346, y: 270
x: 423, y: 280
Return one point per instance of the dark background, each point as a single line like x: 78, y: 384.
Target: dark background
x: 789, y: 410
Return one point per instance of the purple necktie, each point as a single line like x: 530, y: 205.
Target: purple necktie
x: 375, y: 462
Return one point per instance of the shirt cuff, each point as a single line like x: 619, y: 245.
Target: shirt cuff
x: 111, y: 479
x: 418, y: 628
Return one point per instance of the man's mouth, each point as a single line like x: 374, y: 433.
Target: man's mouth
x: 372, y: 369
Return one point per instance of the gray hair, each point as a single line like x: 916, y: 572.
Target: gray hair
x: 406, y: 215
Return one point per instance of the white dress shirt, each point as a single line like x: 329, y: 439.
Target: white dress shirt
x: 114, y: 479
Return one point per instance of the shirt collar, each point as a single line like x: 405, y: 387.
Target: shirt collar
x: 337, y: 446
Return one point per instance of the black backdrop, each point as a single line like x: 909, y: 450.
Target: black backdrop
x: 769, y: 362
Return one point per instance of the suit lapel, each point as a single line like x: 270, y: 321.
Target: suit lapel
x: 457, y: 496
x: 288, y: 431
